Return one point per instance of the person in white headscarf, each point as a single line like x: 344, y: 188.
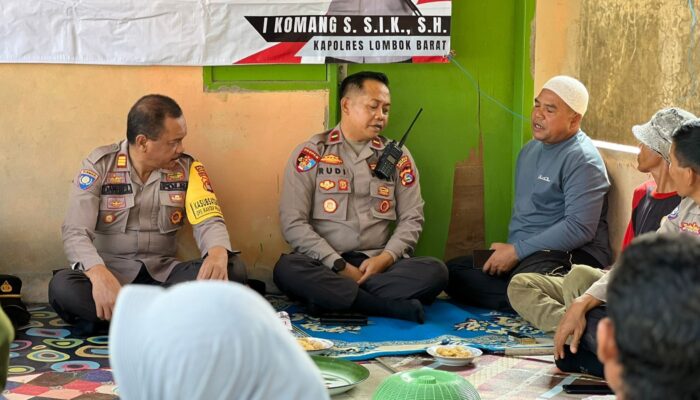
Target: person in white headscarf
x: 206, y: 340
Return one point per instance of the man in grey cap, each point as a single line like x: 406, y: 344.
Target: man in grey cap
x: 542, y: 299
x: 559, y: 215
x: 583, y: 313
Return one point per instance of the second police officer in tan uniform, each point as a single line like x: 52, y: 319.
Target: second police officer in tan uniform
x: 338, y: 217
x: 126, y: 206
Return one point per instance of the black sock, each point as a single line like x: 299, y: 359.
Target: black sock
x: 367, y: 303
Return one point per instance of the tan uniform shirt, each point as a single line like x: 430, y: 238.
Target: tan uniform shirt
x: 115, y: 219
x: 684, y: 219
x: 332, y: 203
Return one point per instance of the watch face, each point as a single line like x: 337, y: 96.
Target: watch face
x: 338, y: 265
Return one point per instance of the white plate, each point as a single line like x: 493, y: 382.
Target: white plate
x: 454, y: 361
x: 327, y: 344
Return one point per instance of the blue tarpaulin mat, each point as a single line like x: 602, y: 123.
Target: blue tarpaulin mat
x: 445, y: 322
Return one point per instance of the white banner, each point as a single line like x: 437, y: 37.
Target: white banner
x: 223, y: 32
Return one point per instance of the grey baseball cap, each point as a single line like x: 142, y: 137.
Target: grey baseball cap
x: 658, y: 131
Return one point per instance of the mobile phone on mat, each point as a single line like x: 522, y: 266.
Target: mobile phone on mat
x: 334, y: 318
x: 588, y: 389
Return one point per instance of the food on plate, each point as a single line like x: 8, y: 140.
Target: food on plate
x: 453, y: 352
x: 310, y: 344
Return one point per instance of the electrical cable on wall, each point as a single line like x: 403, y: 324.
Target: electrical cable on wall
x: 474, y: 83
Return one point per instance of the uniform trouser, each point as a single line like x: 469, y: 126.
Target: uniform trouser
x: 70, y: 292
x: 470, y: 285
x: 301, y: 277
x: 542, y: 300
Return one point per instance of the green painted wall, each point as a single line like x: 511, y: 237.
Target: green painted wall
x: 492, y: 42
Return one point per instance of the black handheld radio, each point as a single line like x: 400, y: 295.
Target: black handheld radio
x: 392, y: 153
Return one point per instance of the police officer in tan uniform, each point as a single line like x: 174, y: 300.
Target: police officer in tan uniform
x: 126, y: 206
x: 338, y: 217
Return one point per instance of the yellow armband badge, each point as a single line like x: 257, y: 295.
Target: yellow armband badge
x: 201, y: 202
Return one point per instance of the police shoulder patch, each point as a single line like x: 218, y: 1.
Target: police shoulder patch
x: 307, y: 159
x: 674, y: 213
x: 87, y: 178
x: 407, y: 177
x: 403, y: 162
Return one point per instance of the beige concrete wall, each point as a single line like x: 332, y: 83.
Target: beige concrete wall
x: 624, y: 177
x: 615, y: 47
x: 52, y: 116
x: 556, y: 32
x: 634, y: 56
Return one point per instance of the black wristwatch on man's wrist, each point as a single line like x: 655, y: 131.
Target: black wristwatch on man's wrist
x: 338, y: 265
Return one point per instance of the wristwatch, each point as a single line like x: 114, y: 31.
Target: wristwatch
x: 338, y: 265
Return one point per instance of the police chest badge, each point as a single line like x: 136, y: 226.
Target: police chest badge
x: 176, y: 217
x: 332, y: 159
x: 86, y: 178
x: 690, y: 227
x: 327, y: 184
x: 330, y: 206
x: 307, y: 159
x: 384, y: 206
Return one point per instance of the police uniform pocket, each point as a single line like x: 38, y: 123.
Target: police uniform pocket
x: 114, y: 212
x: 383, y: 199
x: 331, y: 206
x: 331, y: 198
x: 171, y: 215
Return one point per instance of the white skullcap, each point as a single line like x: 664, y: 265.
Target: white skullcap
x: 571, y: 91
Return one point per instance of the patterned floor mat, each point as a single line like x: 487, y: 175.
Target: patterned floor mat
x: 500, y: 377
x: 445, y: 322
x: 47, y: 362
x: 94, y: 384
x: 46, y: 344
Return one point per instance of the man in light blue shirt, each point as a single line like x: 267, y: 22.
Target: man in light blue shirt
x: 559, y: 215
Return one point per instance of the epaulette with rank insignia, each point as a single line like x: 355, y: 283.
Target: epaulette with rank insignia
x: 190, y: 156
x: 378, y: 142
x: 102, y: 151
x: 334, y: 136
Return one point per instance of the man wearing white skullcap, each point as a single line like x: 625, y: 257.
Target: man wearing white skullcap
x: 541, y: 299
x: 206, y: 340
x: 571, y: 91
x: 559, y: 214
